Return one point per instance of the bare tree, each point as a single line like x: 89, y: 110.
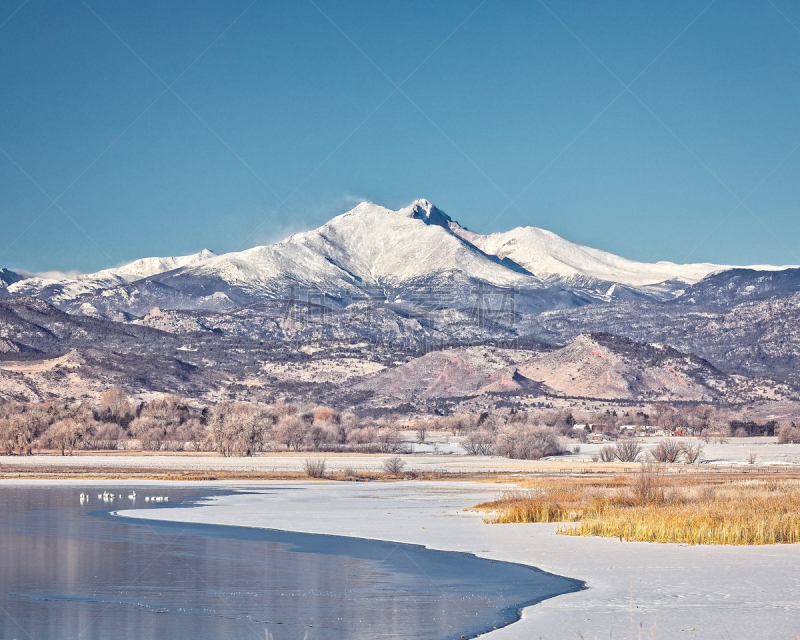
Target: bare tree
x: 250, y: 426
x: 608, y: 453
x: 150, y: 433
x: 25, y: 428
x: 527, y: 442
x: 459, y: 423
x: 114, y: 403
x: 319, y: 436
x: 102, y: 435
x: 667, y: 450
x: 627, y: 450
x: 479, y: 443
x: 361, y: 436
x: 66, y: 435
x: 692, y: 453
x: 388, y: 441
x: 195, y: 432
x: 291, y: 431
x: 394, y: 466
x: 788, y: 433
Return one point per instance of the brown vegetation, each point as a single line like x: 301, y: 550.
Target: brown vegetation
x: 173, y: 423
x: 788, y: 432
x: 170, y: 423
x: 649, y: 507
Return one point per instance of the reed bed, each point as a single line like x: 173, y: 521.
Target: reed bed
x: 650, y: 508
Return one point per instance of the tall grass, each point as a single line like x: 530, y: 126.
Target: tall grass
x: 651, y: 509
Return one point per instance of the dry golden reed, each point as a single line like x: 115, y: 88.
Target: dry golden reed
x: 651, y: 510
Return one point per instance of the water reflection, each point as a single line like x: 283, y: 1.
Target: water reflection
x: 68, y: 569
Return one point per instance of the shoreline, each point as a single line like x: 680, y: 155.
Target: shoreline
x: 698, y: 592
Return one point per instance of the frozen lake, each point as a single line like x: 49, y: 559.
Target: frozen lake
x: 71, y: 569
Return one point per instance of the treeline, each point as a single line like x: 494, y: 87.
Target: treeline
x: 171, y: 423
x: 705, y: 421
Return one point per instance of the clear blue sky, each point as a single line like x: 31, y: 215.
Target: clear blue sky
x: 507, y: 114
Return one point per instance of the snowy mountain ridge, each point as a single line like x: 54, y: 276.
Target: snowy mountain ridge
x: 371, y: 248
x: 145, y: 267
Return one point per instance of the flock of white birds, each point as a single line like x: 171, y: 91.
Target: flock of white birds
x: 107, y: 496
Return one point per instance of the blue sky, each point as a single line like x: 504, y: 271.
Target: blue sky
x: 658, y: 131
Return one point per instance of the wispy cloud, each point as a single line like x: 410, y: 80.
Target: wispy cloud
x: 50, y: 275
x: 317, y: 213
x: 276, y: 233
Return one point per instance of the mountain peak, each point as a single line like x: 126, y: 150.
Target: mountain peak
x: 9, y: 277
x: 427, y: 212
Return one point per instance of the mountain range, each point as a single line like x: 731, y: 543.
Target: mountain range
x: 378, y: 308
x: 372, y: 251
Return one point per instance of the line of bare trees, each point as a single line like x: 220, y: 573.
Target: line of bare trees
x: 171, y: 423
x: 667, y: 450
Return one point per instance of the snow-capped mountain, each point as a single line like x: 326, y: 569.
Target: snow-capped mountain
x: 374, y: 250
x: 545, y: 254
x: 146, y: 267
x: 369, y: 248
x: 70, y: 293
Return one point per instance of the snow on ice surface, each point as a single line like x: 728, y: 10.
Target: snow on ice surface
x: 741, y: 593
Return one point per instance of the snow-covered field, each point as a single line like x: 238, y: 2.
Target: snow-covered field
x: 736, y: 451
x: 440, y: 454
x: 685, y: 592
